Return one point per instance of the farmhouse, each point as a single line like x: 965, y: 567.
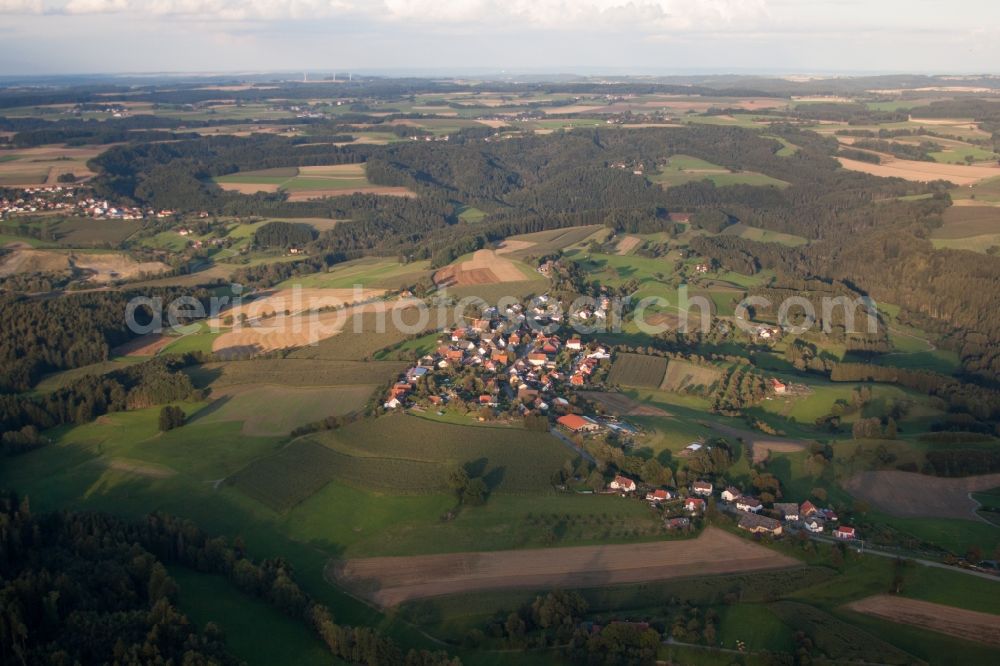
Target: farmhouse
x: 731, y: 494
x: 789, y: 510
x: 845, y: 532
x: 622, y: 483
x: 750, y: 504
x: 703, y: 488
x: 659, y: 495
x: 807, y: 509
x: 575, y: 423
x: 814, y: 525
x: 778, y: 386
x: 694, y: 504
x: 760, y: 524
x: 574, y: 343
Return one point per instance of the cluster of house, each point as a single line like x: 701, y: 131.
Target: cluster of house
x: 65, y: 199
x: 518, y: 365
x: 806, y: 516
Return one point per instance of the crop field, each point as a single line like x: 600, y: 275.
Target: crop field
x: 966, y: 221
x: 42, y: 165
x: 295, y: 300
x: 305, y: 329
x: 682, y: 169
x: 293, y: 372
x: 485, y: 267
x: 682, y: 375
x: 638, y: 370
x: 958, y: 622
x: 308, y: 182
x: 274, y: 410
x: 389, y: 581
x: 620, y: 404
x: 363, y: 342
x: 57, y: 380
x: 282, y: 480
x: 81, y: 232
x: 543, y: 242
x: 511, y: 460
x: 371, y: 273
x: 960, y: 174
x: 97, y: 267
x: 910, y: 495
x: 984, y: 192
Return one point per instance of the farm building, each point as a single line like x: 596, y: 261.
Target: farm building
x: 778, y: 386
x: 750, y: 504
x: 622, y: 483
x: 807, y: 509
x: 575, y: 423
x: 760, y: 524
x: 703, y: 488
x: 845, y: 532
x: 789, y: 510
x: 731, y: 494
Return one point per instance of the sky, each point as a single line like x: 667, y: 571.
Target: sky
x: 493, y: 36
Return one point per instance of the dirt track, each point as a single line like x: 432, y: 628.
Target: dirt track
x: 957, y: 622
x: 389, y: 581
x: 911, y: 495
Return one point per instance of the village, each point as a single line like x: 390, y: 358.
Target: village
x: 69, y: 200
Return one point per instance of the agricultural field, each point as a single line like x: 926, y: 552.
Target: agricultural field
x: 685, y: 376
x: 958, y: 622
x: 391, y: 581
x: 960, y: 174
x: 99, y: 267
x: 638, y: 370
x: 974, y: 228
x: 286, y: 478
x: 764, y: 235
x: 910, y: 495
x: 681, y: 169
x: 484, y: 267
x: 371, y: 273
x: 31, y: 167
x: 308, y: 182
x: 293, y: 372
x: 275, y: 410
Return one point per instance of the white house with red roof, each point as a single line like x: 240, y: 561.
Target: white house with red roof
x: 845, y: 532
x: 622, y: 483
x: 694, y: 504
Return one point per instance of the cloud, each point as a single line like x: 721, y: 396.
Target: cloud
x: 21, y: 6
x: 95, y: 6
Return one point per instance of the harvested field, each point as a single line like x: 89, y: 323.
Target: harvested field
x: 485, y: 267
x: 309, y: 182
x: 249, y: 188
x: 282, y: 332
x: 145, y: 345
x: 682, y: 375
x: 923, y: 171
x: 508, y: 246
x: 389, y: 581
x: 620, y: 404
x: 957, y: 622
x: 294, y: 301
x: 305, y: 195
x: 43, y: 165
x: 638, y: 370
x: 33, y: 261
x: 298, y: 372
x: 911, y: 495
x: 628, y: 243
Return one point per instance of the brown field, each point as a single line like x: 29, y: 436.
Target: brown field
x: 492, y: 123
x: 389, y: 581
x: 24, y: 260
x: 297, y: 330
x: 628, y: 243
x: 923, y: 171
x: 958, y: 622
x: 43, y: 164
x: 761, y: 444
x: 249, y: 188
x: 295, y: 301
x: 681, y: 374
x: 305, y: 195
x: 105, y: 267
x: 102, y: 267
x: 508, y: 246
x: 969, y: 221
x: 620, y: 404
x: 145, y: 345
x: 911, y: 495
x: 485, y: 267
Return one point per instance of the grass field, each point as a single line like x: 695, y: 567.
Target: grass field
x: 638, y: 370
x: 307, y: 182
x: 682, y: 375
x: 293, y: 372
x: 256, y: 632
x: 370, y: 273
x: 763, y: 235
x: 682, y: 169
